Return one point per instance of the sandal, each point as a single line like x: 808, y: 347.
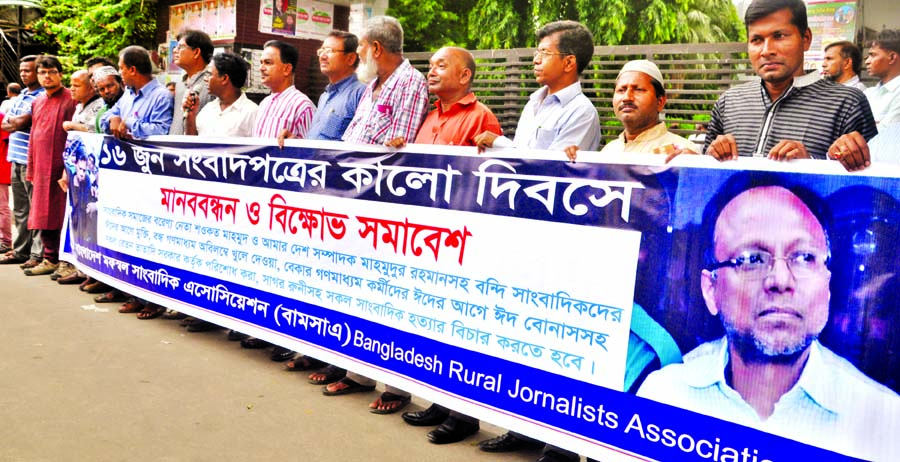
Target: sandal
x: 329, y: 373
x: 350, y: 387
x: 113, y: 296
x: 388, y: 397
x: 151, y: 311
x: 303, y: 363
x: 131, y: 306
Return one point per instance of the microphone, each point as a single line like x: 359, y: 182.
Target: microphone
x: 194, y: 91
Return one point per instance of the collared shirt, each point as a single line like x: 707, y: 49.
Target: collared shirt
x: 885, y: 101
x: 336, y: 109
x: 884, y: 147
x: 855, y: 83
x: 146, y: 112
x: 238, y: 119
x: 289, y: 109
x: 833, y: 405
x: 397, y: 112
x: 195, y: 82
x: 813, y: 111
x: 556, y: 121
x: 18, y: 140
x: 459, y: 124
x: 655, y: 140
x: 86, y: 114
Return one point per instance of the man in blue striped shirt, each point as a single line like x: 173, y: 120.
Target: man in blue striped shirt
x: 27, y: 247
x: 788, y: 115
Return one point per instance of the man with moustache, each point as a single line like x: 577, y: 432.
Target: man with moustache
x: 457, y: 119
x: 45, y: 161
x: 788, y: 115
x: 193, y: 54
x: 842, y: 64
x: 767, y: 279
x: 396, y: 98
x: 286, y: 113
x: 558, y: 115
x: 393, y: 106
x: 286, y: 108
x: 639, y: 98
x: 337, y: 105
x: 110, y: 88
x: 27, y: 246
x: 883, y: 62
x: 89, y: 103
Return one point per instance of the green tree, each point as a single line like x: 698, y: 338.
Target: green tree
x: 80, y: 29
x: 491, y: 24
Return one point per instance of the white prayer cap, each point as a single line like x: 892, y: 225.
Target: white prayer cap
x: 647, y: 67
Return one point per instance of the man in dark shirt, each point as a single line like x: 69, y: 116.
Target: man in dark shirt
x: 788, y: 115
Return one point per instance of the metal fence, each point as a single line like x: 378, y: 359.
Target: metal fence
x: 695, y: 74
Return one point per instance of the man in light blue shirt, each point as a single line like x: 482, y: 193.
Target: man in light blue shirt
x: 146, y: 108
x: 767, y: 279
x: 558, y: 115
x: 27, y: 248
x: 338, y: 61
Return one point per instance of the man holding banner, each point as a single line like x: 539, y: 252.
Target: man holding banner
x: 393, y: 105
x: 788, y: 115
x: 457, y: 119
x: 767, y: 279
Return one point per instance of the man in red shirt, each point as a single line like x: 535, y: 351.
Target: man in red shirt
x: 456, y: 120
x: 458, y: 117
x: 45, y: 161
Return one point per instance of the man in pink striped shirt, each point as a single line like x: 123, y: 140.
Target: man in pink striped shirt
x: 396, y: 101
x: 286, y: 108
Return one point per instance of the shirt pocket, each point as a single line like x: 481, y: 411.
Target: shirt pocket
x: 379, y: 126
x: 544, y: 137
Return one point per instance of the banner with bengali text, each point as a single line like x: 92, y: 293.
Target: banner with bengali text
x: 531, y: 292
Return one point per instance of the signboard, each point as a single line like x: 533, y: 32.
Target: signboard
x: 829, y: 22
x: 551, y: 298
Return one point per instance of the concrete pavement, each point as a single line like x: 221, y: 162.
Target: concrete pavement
x: 77, y: 384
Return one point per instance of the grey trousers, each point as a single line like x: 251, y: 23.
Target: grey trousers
x: 27, y: 242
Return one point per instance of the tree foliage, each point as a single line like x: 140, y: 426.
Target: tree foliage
x: 486, y: 24
x: 80, y: 29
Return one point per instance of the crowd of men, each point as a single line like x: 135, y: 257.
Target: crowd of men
x: 375, y: 96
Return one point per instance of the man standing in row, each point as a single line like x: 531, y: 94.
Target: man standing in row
x: 639, y: 98
x: 45, y: 161
x: 231, y: 113
x: 286, y: 108
x: 193, y: 53
x: 146, y: 108
x: 393, y: 106
x: 457, y: 119
x: 842, y: 64
x: 27, y: 246
x: 788, y: 115
x: 883, y: 62
x: 558, y: 115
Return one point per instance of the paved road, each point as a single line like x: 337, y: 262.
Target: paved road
x: 78, y: 384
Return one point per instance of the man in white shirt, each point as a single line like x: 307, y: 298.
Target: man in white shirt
x: 232, y: 113
x: 558, y: 115
x: 842, y: 64
x: 884, y: 62
x: 767, y: 279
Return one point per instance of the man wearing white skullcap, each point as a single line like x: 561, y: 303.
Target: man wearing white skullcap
x: 639, y: 97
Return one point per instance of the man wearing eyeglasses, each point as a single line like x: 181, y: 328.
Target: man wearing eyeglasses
x: 337, y: 105
x: 558, y: 115
x: 193, y: 54
x: 767, y: 279
x: 45, y: 161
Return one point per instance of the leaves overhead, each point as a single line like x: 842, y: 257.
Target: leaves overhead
x: 80, y: 29
x: 486, y: 24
